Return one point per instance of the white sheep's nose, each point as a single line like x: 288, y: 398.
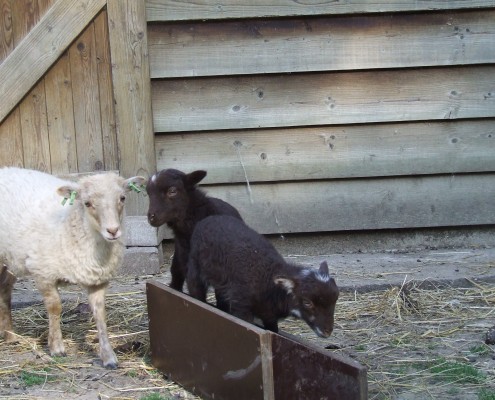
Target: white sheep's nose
x: 113, y: 232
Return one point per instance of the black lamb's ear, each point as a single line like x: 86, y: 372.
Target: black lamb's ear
x: 324, y: 268
x: 194, y: 177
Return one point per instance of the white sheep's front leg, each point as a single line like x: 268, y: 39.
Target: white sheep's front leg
x: 7, y: 281
x: 51, y: 298
x: 96, y: 298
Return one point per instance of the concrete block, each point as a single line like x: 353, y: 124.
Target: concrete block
x: 142, y: 261
x: 218, y: 356
x: 138, y: 232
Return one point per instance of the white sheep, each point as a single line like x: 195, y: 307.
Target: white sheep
x: 54, y: 243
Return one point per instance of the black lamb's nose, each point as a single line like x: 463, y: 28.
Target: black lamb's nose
x: 151, y: 217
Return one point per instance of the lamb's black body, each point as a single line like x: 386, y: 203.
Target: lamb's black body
x: 175, y: 200
x: 254, y: 280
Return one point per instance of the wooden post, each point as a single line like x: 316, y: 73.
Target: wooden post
x: 132, y: 92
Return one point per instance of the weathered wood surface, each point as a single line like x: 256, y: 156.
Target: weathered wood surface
x: 131, y: 80
x: 105, y: 85
x: 41, y: 47
x: 357, y: 204
x: 60, y: 111
x: 87, y: 99
x: 332, y: 151
x: 323, y: 98
x: 6, y: 31
x: 172, y: 10
x: 32, y: 109
x: 321, y: 44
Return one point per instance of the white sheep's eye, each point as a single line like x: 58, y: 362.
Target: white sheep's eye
x: 88, y: 204
x: 122, y: 198
x: 172, y: 191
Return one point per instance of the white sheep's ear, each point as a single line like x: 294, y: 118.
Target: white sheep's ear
x: 69, y: 192
x: 286, y: 283
x: 136, y: 183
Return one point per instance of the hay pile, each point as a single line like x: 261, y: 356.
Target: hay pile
x: 416, y: 343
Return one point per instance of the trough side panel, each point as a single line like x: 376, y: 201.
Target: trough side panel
x: 321, y: 44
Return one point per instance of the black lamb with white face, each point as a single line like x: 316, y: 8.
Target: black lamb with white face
x: 175, y: 200
x: 254, y: 280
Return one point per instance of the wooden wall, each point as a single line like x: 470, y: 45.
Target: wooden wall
x: 336, y: 116
x: 74, y: 78
x: 66, y: 123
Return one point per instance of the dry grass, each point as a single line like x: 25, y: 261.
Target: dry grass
x: 416, y: 343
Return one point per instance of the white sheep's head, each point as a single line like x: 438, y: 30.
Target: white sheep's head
x: 102, y: 198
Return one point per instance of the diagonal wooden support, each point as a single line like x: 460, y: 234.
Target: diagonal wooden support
x: 218, y: 356
x: 41, y: 47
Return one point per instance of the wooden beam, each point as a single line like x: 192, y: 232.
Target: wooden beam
x: 329, y: 152
x: 42, y: 46
x: 173, y: 10
x: 321, y: 44
x: 131, y: 84
x: 323, y: 98
x: 359, y: 204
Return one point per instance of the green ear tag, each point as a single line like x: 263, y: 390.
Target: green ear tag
x: 71, y: 199
x: 133, y: 186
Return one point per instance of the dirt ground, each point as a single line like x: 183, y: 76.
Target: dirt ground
x: 416, y: 320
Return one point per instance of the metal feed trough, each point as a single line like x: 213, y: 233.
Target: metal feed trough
x: 218, y: 356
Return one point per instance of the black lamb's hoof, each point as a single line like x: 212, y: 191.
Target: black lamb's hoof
x: 490, y: 336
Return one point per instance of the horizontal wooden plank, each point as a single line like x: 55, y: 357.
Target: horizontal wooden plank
x: 42, y: 46
x: 332, y: 151
x: 172, y: 10
x: 321, y: 44
x: 381, y: 203
x: 323, y: 98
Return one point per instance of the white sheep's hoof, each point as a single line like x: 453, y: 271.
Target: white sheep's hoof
x: 109, y: 361
x: 112, y: 365
x: 57, y: 350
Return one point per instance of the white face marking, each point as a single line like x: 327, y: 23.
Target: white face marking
x: 296, y: 313
x: 153, y: 178
x: 322, y: 277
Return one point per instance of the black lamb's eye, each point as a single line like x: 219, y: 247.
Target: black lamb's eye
x: 172, y: 191
x: 307, y: 304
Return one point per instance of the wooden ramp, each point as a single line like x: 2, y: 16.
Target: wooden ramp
x: 218, y: 356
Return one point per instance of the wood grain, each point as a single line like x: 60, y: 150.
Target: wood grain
x: 323, y: 98
x: 60, y: 112
x: 107, y: 108
x: 381, y: 203
x: 321, y: 44
x: 131, y: 83
x: 33, y: 117
x: 172, y: 10
x: 41, y: 47
x: 86, y: 102
x: 329, y: 152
